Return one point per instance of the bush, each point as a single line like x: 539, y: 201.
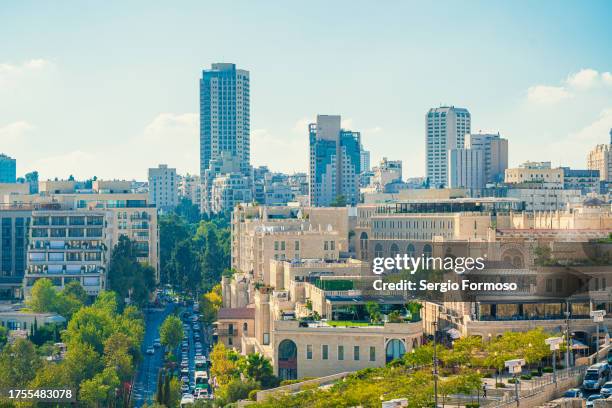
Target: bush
x: 500, y: 385
x: 512, y: 381
x: 253, y: 394
x: 487, y: 375
x: 472, y: 405
x: 547, y: 370
x: 535, y: 373
x: 526, y: 377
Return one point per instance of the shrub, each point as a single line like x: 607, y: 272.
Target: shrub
x: 487, y: 375
x: 500, y: 385
x: 535, y: 373
x: 253, y: 394
x: 526, y: 377
x: 547, y: 370
x: 512, y: 380
x: 472, y: 405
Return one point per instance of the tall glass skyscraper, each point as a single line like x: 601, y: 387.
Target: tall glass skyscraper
x: 445, y: 129
x: 335, y: 162
x: 8, y: 169
x: 224, y: 116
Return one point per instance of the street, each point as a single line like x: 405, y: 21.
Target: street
x: 145, y: 383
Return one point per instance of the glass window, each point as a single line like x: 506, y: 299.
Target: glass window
x: 356, y: 353
x: 340, y: 352
x: 372, y: 353
x: 324, y: 352
x: 309, y: 352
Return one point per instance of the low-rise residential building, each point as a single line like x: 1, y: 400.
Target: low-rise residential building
x: 234, y: 323
x: 531, y: 172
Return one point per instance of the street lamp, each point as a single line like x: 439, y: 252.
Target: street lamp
x: 554, y: 343
x: 435, y: 364
x: 515, y: 367
x: 598, y: 317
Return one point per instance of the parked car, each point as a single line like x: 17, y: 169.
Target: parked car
x: 573, y: 393
x: 150, y: 350
x: 591, y: 400
x: 157, y: 343
x: 606, y: 389
x: 596, y: 375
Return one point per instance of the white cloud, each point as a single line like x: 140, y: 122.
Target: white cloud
x: 543, y: 94
x: 279, y: 153
x: 346, y: 123
x: 583, y: 79
x: 14, y: 132
x: 301, y: 125
x: 11, y: 73
x: 77, y: 162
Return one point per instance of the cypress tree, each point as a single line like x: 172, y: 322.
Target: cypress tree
x: 167, y: 395
x: 159, y: 397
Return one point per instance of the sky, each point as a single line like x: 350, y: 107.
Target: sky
x: 109, y: 89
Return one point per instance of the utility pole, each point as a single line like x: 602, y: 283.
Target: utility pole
x: 567, y: 337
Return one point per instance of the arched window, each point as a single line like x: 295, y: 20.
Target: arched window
x: 410, y: 250
x: 245, y: 327
x: 287, y: 360
x: 395, y: 349
x: 378, y: 251
x: 427, y: 251
x: 394, y: 250
x: 363, y: 245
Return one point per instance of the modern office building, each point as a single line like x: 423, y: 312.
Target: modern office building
x: 495, y: 150
x: 8, y: 169
x: 335, y: 162
x: 600, y: 158
x: 163, y: 187
x: 224, y: 115
x: 445, y: 129
x: 15, y: 221
x: 586, y: 181
x: 466, y: 168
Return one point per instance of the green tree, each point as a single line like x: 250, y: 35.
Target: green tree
x: 210, y: 304
x: 126, y: 275
x: 222, y: 366
x: 172, y: 229
x: 259, y: 369
x: 339, y: 201
x: 18, y: 364
x: 74, y: 290
x: 236, y: 390
x: 101, y: 389
x: 373, y: 310
x: 186, y: 268
x: 43, y: 296
x: 171, y: 332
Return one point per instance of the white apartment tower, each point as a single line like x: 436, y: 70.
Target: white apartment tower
x: 600, y: 158
x: 163, y: 187
x: 445, y: 129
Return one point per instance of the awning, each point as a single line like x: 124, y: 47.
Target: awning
x: 453, y: 333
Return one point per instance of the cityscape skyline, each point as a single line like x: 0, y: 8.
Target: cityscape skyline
x: 94, y: 130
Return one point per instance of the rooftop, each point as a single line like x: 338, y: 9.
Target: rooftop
x: 236, y: 313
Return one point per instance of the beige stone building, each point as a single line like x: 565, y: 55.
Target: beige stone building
x: 600, y: 158
x: 234, y: 323
x: 529, y: 174
x: 260, y: 234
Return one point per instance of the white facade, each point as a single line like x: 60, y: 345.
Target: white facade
x: 600, y: 158
x: 163, y: 187
x: 545, y: 199
x: 445, y: 129
x: 466, y: 168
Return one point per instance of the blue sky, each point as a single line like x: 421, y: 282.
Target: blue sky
x: 111, y: 88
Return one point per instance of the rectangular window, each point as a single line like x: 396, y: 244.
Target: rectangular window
x: 309, y: 352
x: 324, y: 352
x: 276, y: 245
x: 297, y: 245
x: 372, y: 353
x: 549, y: 285
x: 340, y: 352
x: 325, y: 246
x: 282, y: 245
x: 559, y: 285
x: 332, y: 245
x: 356, y: 353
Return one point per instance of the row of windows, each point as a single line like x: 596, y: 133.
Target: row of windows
x: 340, y: 352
